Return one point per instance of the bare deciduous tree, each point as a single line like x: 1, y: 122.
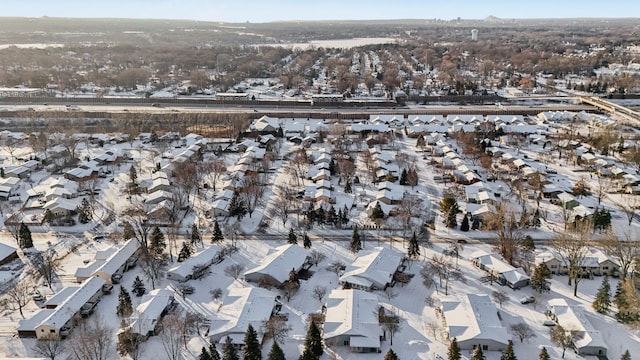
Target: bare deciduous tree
x: 91, y: 340
x: 434, y: 326
x: 251, y: 192
x: 317, y: 257
x: 444, y: 270
x: 319, y: 292
x: 19, y: 294
x: 626, y: 252
x: 45, y: 265
x: 336, y: 267
x: 500, y: 297
x: 276, y: 328
x: 172, y: 335
x: 153, y: 267
x: 572, y: 249
x: 234, y: 270
x: 50, y: 348
x: 523, y: 331
x: 213, y: 170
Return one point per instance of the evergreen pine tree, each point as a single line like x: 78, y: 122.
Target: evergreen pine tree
x: 229, y: 351
x: 138, y: 286
x: 465, y: 223
x: 508, y: 353
x: 331, y: 215
x: 24, y: 237
x: 414, y: 248
x: 237, y: 207
x: 133, y: 174
x: 347, y: 187
x: 345, y: 215
x: 204, y: 354
x: 376, y: 212
x: 276, y: 352
x: 312, y: 343
x: 124, y: 308
x: 84, y: 211
x: 251, y: 349
x: 356, y: 244
x: 306, y: 242
x: 217, y: 233
x: 477, y: 354
x: 475, y: 224
x: 390, y: 355
x: 403, y: 177
x: 292, y: 239
x: 602, y: 302
x: 127, y: 231
x: 538, y: 281
x: 185, y: 252
x: 626, y: 356
x: 213, y: 352
x: 195, y: 235
x: 453, y: 353
x: 544, y: 354
x: 157, y: 242
x: 449, y: 209
x: 620, y: 298
x: 421, y: 142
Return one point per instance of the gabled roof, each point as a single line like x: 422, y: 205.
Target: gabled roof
x: 241, y: 307
x: 373, y: 267
x: 149, y: 311
x: 68, y: 308
x: 473, y: 317
x: 279, y: 263
x: 353, y: 313
x: 205, y: 257
x: 572, y: 318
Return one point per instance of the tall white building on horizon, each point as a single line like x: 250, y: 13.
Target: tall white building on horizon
x: 474, y: 35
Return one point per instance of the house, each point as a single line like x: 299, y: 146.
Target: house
x: 567, y: 200
x: 157, y: 197
x: 473, y: 321
x: 190, y: 268
x: 276, y: 266
x: 61, y: 296
x: 159, y: 184
x: 241, y: 307
x: 7, y: 253
x: 587, y: 340
x: 60, y: 207
x: 373, y: 269
x: 111, y: 264
x: 59, y: 321
x: 351, y: 319
x: 502, y: 271
x: 150, y: 312
x: 265, y: 124
x: 595, y: 262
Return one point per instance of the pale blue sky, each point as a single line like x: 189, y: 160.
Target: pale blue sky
x: 274, y: 10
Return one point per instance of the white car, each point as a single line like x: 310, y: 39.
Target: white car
x: 527, y: 300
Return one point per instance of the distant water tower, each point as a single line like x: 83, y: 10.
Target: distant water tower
x: 474, y: 35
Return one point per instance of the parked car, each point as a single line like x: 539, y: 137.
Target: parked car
x: 107, y: 288
x: 37, y: 296
x: 527, y: 300
x: 186, y: 289
x: 549, y: 323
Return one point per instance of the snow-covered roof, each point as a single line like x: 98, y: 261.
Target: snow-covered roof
x: 6, y: 251
x: 115, y: 261
x: 65, y: 311
x: 491, y: 261
x: 149, y: 311
x: 572, y: 318
x: 473, y: 317
x: 61, y: 296
x: 373, y: 268
x: 353, y: 313
x: 205, y: 257
x: 241, y: 307
x: 279, y: 263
